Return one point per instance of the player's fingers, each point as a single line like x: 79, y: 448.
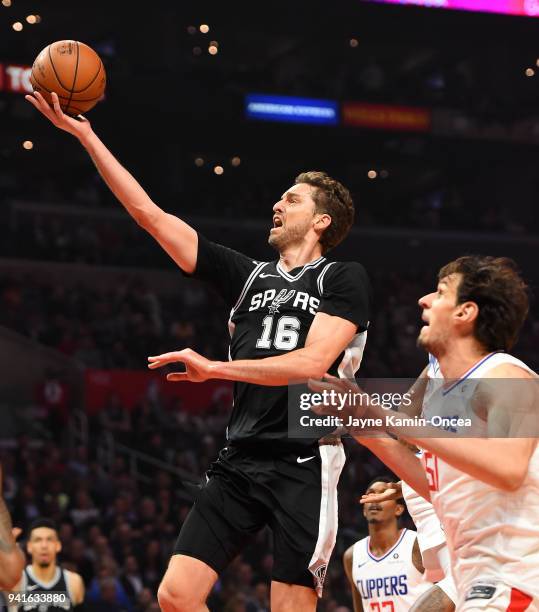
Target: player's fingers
x: 156, y: 361
x: 56, y: 105
x: 317, y: 385
x: 32, y: 101
x: 178, y: 376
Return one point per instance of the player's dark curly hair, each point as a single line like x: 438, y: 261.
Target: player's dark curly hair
x: 333, y: 198
x: 495, y: 285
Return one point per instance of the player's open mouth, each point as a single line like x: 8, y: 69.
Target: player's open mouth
x: 277, y: 222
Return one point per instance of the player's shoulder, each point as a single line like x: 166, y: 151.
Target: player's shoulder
x: 344, y: 270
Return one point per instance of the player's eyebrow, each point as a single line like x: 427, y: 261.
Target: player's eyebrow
x: 290, y: 194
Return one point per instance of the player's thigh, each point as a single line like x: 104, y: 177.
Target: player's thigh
x: 186, y: 584
x: 218, y: 526
x: 292, y: 597
x: 501, y: 598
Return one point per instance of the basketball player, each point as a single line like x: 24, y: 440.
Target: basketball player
x: 11, y: 556
x: 44, y: 576
x: 441, y: 597
x: 385, y: 569
x: 291, y: 319
x: 484, y: 489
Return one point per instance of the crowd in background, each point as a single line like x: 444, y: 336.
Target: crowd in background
x: 118, y: 530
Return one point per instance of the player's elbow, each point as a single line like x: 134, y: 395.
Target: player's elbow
x: 512, y: 479
x: 11, y: 568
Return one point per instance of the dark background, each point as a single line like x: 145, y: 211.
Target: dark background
x: 78, y: 277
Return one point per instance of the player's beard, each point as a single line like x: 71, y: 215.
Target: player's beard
x: 289, y: 236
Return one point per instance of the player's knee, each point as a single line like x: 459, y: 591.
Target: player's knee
x: 177, y: 598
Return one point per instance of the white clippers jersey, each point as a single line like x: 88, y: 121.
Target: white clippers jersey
x: 493, y: 535
x: 390, y: 583
x: 430, y: 534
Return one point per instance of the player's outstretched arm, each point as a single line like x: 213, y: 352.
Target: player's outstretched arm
x: 327, y: 339
x: 176, y: 237
x: 347, y: 560
x: 11, y: 556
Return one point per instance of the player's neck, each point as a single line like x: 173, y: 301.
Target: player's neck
x: 299, y: 255
x: 44, y: 574
x: 460, y: 357
x: 382, y: 538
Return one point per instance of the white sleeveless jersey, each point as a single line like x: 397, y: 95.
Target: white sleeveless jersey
x: 493, y: 535
x: 390, y: 583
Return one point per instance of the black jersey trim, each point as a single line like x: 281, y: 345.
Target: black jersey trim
x: 320, y: 280
x: 248, y: 283
x: 309, y: 266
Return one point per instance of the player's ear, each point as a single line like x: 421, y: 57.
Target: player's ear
x: 399, y: 509
x: 58, y: 546
x: 467, y: 312
x: 322, y: 221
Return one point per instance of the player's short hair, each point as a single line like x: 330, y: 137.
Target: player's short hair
x: 42, y: 522
x: 388, y: 479
x: 495, y: 285
x: 333, y: 198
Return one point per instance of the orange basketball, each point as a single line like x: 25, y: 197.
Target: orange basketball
x: 74, y: 71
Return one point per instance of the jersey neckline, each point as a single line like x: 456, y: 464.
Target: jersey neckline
x: 302, y: 269
x: 378, y: 559
x: 467, y: 374
x: 44, y: 585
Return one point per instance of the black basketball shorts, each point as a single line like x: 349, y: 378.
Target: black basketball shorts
x: 296, y: 495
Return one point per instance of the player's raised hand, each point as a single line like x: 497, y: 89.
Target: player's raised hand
x: 392, y: 491
x: 197, y: 367
x: 79, y: 127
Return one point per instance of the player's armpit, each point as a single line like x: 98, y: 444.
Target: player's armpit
x: 417, y: 560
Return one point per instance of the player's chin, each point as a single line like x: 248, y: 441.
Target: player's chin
x: 423, y: 338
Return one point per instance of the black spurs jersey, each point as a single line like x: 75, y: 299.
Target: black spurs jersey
x: 271, y: 313
x: 51, y: 597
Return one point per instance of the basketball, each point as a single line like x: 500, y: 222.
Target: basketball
x: 74, y: 71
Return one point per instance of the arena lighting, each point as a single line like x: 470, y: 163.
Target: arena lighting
x: 291, y: 109
x: 204, y: 28
x: 235, y: 161
x: 17, y: 26
x: 354, y: 42
x: 218, y: 170
x: 199, y: 162
x: 530, y: 72
x: 6, y: 2
x: 213, y: 50
x: 38, y: 18
x: 31, y: 19
x: 537, y: 63
x: 372, y: 174
x: 503, y: 7
x: 28, y: 145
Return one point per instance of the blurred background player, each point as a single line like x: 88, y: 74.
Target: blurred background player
x: 44, y: 575
x: 441, y: 597
x: 385, y: 569
x: 11, y: 556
